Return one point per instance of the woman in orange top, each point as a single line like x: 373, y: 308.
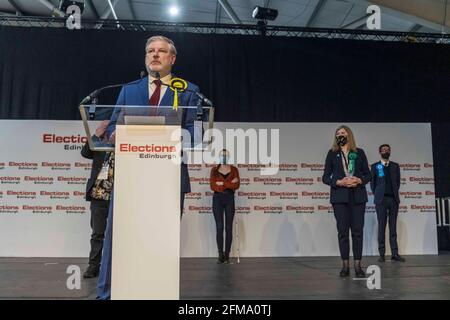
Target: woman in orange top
x: 224, y: 181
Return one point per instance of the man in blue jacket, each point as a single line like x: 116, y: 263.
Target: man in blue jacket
x: 385, y: 185
x: 160, y: 57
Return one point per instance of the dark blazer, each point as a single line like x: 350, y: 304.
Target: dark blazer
x: 97, y: 160
x: 334, y: 171
x: 136, y: 94
x: 377, y: 184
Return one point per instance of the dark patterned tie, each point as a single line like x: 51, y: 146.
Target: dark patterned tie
x: 154, y: 100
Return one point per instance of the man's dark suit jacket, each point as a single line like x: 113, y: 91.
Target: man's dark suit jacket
x: 377, y: 184
x: 136, y: 94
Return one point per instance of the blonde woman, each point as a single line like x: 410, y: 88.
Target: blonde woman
x: 347, y: 173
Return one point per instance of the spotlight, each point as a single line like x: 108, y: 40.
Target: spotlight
x: 261, y: 13
x: 64, y: 4
x: 174, y: 11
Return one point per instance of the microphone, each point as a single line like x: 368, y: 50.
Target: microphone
x: 183, y: 88
x: 204, y: 99
x: 180, y: 84
x: 172, y: 86
x: 94, y: 94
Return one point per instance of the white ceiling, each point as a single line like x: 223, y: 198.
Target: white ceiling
x: 296, y: 13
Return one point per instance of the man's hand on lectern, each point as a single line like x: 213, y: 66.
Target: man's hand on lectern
x: 101, y: 129
x: 112, y: 138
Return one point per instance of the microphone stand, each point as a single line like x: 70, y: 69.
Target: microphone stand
x: 202, y: 100
x: 93, y: 97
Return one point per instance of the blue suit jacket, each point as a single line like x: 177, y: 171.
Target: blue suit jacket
x: 334, y: 171
x: 378, y: 184
x: 136, y: 94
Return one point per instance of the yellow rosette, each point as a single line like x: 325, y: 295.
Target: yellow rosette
x: 177, y: 84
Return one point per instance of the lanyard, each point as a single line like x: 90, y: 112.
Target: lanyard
x: 345, y: 161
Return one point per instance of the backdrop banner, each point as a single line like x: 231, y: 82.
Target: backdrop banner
x: 42, y: 186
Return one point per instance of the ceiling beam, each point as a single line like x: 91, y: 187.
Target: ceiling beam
x: 108, y: 10
x: 112, y: 9
x: 133, y: 12
x: 415, y: 28
x: 92, y: 7
x: 19, y: 11
x: 218, y: 12
x: 315, y: 13
x: 53, y: 9
x: 7, y: 13
x: 230, y: 12
x: 356, y: 24
x: 359, y: 27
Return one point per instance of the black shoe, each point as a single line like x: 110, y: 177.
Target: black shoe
x: 381, y: 259
x: 221, y: 258
x: 397, y: 257
x: 226, y: 258
x: 91, y: 272
x: 359, y: 272
x: 345, y: 272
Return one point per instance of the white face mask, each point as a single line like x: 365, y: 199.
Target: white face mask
x: 223, y: 158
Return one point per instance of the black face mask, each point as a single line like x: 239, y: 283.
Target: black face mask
x: 341, y: 140
x: 386, y: 155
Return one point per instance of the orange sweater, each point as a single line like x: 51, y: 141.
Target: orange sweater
x: 227, y: 184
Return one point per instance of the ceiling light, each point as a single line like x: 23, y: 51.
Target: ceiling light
x: 174, y: 11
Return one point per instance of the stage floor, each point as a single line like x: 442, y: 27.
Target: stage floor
x: 420, y: 277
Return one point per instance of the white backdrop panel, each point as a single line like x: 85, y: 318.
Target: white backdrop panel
x: 39, y: 217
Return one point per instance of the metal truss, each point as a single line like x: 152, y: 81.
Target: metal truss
x: 238, y: 29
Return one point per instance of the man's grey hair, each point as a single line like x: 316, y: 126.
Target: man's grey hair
x: 162, y: 38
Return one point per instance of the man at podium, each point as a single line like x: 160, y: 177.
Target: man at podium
x: 152, y: 90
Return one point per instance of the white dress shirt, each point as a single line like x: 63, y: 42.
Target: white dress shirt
x: 152, y: 86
